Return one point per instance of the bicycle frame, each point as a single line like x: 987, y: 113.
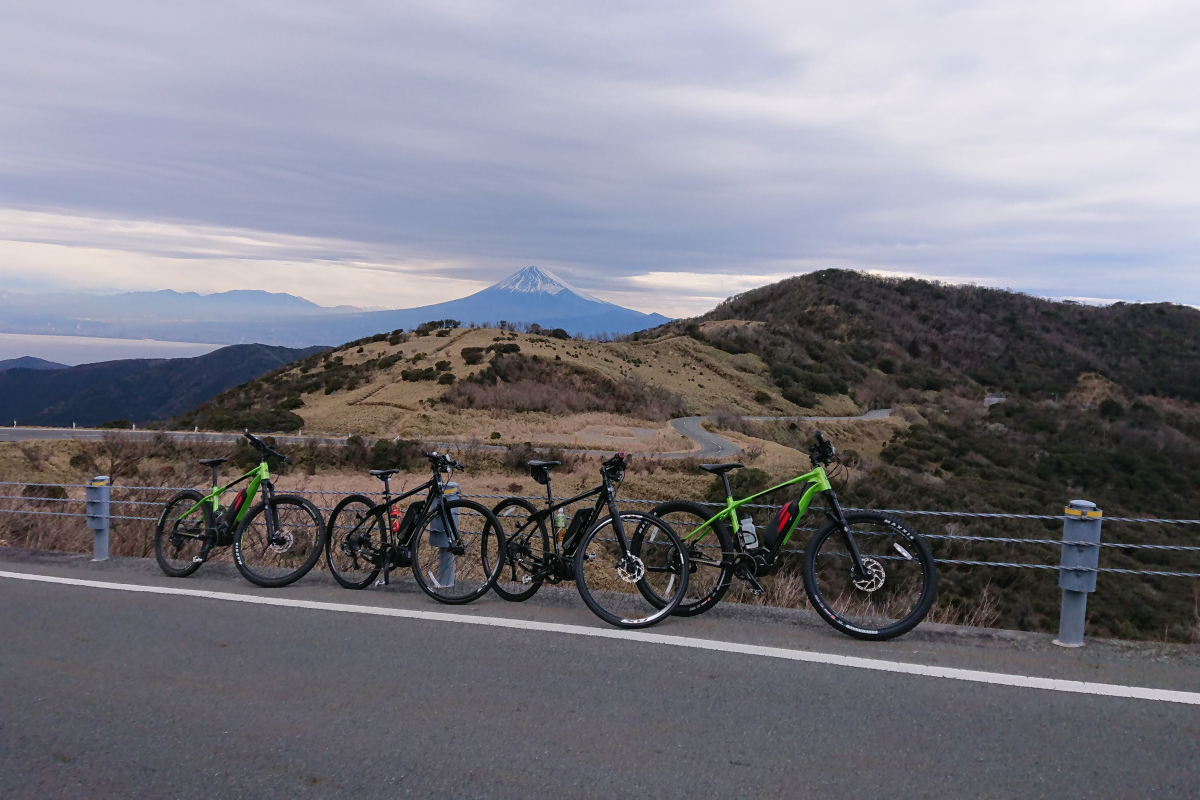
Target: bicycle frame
x: 435, y: 493
x: 258, y: 476
x: 818, y: 479
x: 605, y: 496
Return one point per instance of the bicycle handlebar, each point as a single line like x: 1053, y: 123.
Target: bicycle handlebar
x: 822, y: 452
x: 264, y: 448
x: 441, y: 462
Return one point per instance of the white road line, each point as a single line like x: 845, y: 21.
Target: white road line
x: 973, y: 676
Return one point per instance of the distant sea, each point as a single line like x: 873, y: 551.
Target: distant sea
x: 72, y: 350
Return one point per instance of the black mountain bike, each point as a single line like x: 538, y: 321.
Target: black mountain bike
x: 626, y: 588
x: 453, y: 546
x: 274, y: 542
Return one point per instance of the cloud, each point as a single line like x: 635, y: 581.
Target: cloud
x: 393, y: 151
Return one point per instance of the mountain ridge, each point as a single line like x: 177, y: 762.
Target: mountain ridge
x: 530, y: 295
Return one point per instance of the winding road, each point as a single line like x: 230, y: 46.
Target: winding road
x: 712, y: 446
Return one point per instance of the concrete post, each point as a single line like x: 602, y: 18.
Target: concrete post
x: 97, y: 516
x: 1077, y: 576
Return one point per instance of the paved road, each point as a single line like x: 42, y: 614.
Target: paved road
x: 712, y: 446
x: 109, y: 693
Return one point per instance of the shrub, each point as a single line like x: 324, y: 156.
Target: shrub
x: 116, y: 424
x: 762, y: 398
x: 427, y: 374
x: 291, y: 403
x: 442, y: 366
x: 446, y: 378
x: 508, y: 348
x: 472, y: 355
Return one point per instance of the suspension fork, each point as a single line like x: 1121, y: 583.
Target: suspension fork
x: 835, y: 510
x: 615, y: 513
x: 272, y: 511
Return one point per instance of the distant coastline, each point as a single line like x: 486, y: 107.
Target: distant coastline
x: 73, y: 350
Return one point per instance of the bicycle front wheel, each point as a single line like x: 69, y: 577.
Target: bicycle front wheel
x: 628, y: 589
x: 354, y: 542
x: 893, y: 593
x: 458, y: 565
x: 181, y: 533
x: 710, y: 555
x: 279, y: 543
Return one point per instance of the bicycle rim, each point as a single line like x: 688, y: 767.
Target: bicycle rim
x: 894, y: 594
x: 354, y: 550
x: 179, y: 539
x: 288, y: 554
x: 632, y: 590
x: 524, y: 548
x: 458, y: 577
x: 710, y: 555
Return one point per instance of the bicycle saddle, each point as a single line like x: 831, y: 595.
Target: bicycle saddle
x: 719, y: 469
x: 540, y: 470
x: 384, y: 473
x: 213, y: 462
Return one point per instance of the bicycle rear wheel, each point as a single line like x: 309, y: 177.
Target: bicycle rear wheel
x: 451, y: 574
x: 180, y: 536
x: 631, y: 590
x: 525, y: 548
x: 354, y: 542
x: 710, y: 555
x: 274, y: 559
x: 892, y: 597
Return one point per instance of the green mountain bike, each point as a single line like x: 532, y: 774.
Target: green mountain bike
x: 866, y: 573
x: 275, y: 542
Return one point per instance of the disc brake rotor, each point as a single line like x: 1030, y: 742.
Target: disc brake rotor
x: 282, y: 542
x: 631, y: 569
x: 873, y: 580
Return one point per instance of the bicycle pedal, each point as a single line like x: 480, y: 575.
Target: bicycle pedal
x: 197, y: 559
x: 590, y: 556
x: 525, y: 579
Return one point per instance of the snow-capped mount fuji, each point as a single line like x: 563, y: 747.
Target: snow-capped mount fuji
x: 531, y: 295
x: 539, y: 280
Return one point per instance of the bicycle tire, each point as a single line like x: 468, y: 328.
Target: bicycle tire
x: 272, y: 564
x: 187, y: 565
x: 523, y: 554
x: 626, y: 598
x: 884, y: 543
x: 347, y: 559
x: 707, y: 581
x: 471, y: 573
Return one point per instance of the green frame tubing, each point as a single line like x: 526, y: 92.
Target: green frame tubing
x: 818, y: 479
x: 258, y: 476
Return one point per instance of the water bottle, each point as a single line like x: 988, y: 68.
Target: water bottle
x: 748, y: 535
x: 560, y: 522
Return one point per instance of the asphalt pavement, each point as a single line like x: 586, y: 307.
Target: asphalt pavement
x: 107, y: 692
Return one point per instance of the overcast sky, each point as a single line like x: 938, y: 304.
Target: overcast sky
x: 660, y: 155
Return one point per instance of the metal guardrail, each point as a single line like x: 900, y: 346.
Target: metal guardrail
x: 1077, y: 568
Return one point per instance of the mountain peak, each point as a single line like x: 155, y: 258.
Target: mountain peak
x: 539, y: 280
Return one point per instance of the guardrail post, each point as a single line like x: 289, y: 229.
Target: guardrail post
x: 1077, y: 576
x: 97, y: 516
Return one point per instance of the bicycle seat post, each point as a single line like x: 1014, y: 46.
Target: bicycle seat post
x: 216, y: 470
x: 725, y: 478
x: 549, y: 492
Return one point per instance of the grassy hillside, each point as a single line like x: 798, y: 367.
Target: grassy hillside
x: 479, y: 381
x: 1101, y: 404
